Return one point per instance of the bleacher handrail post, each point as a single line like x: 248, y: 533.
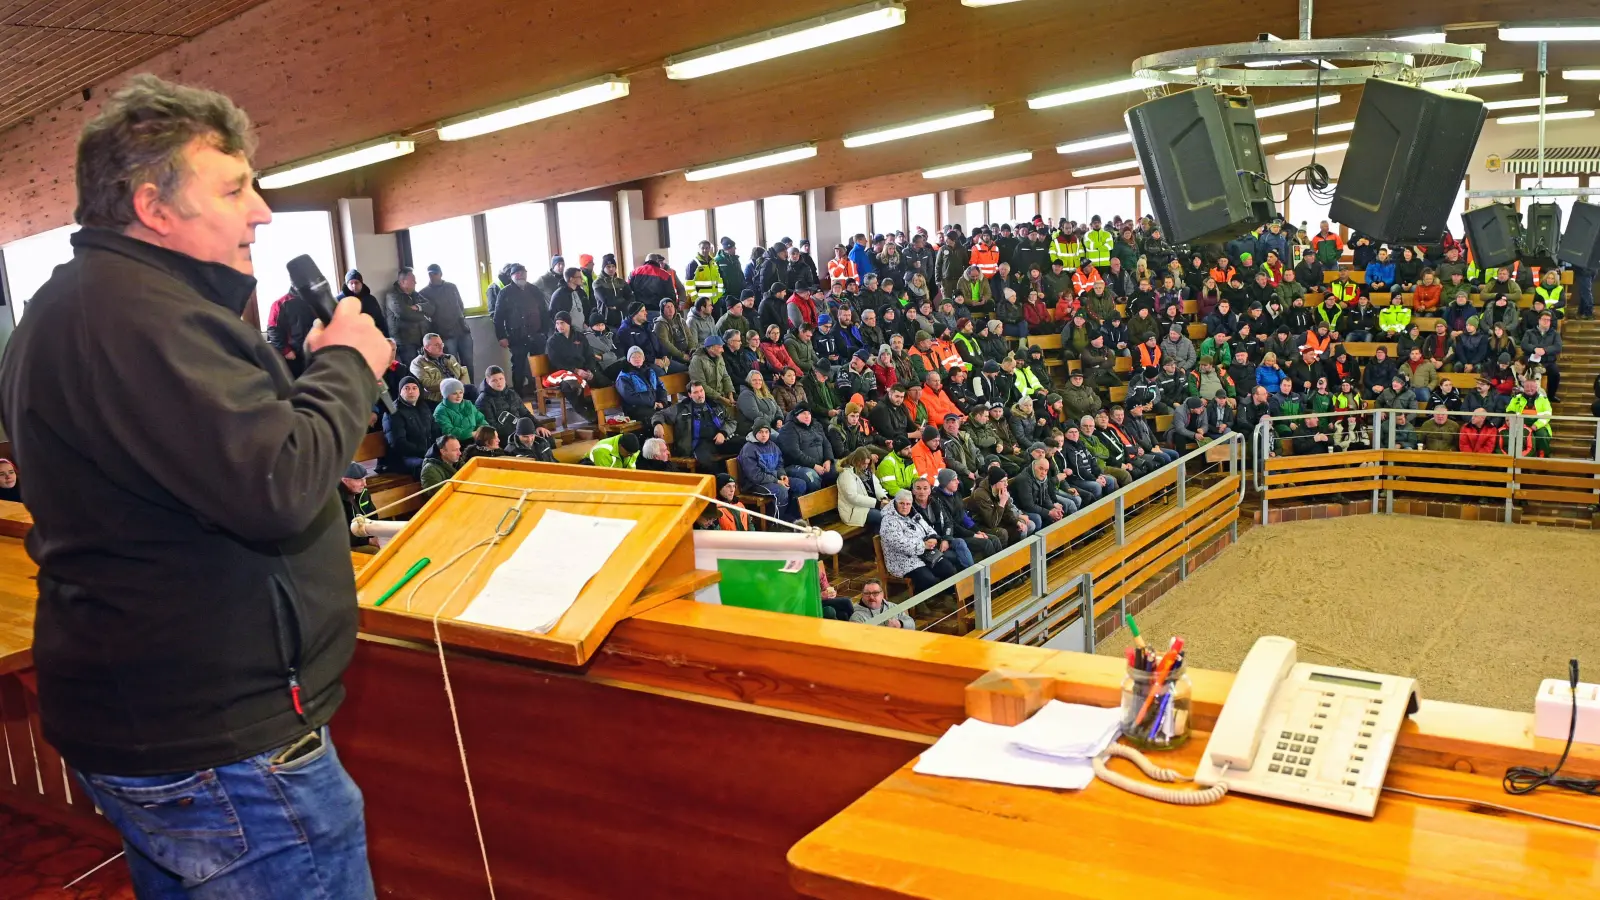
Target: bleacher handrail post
x: 1038, y: 564
x: 1183, y: 489
x: 1086, y: 609
x: 982, y: 602
x: 1118, y: 517
x: 1377, y: 431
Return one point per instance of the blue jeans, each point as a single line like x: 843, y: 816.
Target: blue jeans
x: 245, y: 831
x: 962, y: 553
x: 1016, y: 329
x: 1422, y: 395
x: 807, y: 480
x: 1090, y: 491
x: 1069, y: 503
x: 1036, y: 519
x: 1359, y: 337
x: 461, y: 348
x: 874, y: 516
x: 1166, y: 453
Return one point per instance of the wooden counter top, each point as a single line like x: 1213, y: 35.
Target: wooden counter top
x: 926, y: 837
x: 18, y: 596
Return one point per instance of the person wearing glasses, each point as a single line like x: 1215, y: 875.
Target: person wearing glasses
x: 871, y: 604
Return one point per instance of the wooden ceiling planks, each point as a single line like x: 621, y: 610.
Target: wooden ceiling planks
x: 317, y: 77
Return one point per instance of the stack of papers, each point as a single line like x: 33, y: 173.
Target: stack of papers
x: 1052, y: 749
x: 543, y: 577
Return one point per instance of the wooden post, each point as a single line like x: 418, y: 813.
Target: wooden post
x: 1005, y: 697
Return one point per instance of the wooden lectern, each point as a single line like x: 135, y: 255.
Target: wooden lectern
x: 654, y: 563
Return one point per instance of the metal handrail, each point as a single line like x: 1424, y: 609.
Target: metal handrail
x: 1036, y: 544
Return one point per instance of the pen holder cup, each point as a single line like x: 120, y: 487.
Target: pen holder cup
x: 1164, y: 722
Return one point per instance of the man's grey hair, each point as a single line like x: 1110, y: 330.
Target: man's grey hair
x: 140, y: 137
x: 655, y: 448
x: 430, y: 337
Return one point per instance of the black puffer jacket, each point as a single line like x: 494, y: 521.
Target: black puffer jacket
x: 804, y: 445
x: 502, y: 409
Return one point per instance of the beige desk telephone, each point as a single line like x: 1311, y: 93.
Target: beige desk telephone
x: 1299, y: 732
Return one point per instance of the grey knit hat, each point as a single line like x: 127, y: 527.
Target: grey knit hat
x: 451, y: 386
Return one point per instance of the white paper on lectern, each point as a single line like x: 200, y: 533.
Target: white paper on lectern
x: 543, y: 577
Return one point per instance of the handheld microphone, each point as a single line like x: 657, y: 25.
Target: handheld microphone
x: 309, y: 282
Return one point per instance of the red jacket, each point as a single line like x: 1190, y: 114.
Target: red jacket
x: 886, y: 379
x: 1035, y: 314
x: 1483, y: 438
x: 776, y: 358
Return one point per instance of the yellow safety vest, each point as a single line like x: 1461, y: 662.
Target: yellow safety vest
x: 1551, y: 295
x: 707, y: 281
x: 1070, y: 253
x: 1097, y: 245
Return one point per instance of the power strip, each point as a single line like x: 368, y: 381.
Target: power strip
x: 1552, y: 711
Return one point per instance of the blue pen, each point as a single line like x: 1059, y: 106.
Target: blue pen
x: 1161, y: 715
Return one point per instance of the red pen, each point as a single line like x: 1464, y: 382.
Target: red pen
x: 1162, y: 668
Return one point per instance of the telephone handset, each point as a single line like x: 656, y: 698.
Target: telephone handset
x: 1306, y: 733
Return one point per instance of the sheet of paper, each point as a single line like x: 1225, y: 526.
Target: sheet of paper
x: 1069, y: 730
x: 541, y: 579
x: 983, y: 752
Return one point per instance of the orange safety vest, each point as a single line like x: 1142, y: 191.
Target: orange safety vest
x: 731, y: 520
x: 946, y: 351
x: 1320, y: 346
x: 1147, y: 359
x: 1222, y: 276
x: 841, y: 269
x: 986, y: 258
x: 937, y: 406
x: 1082, y: 284
x: 930, y: 359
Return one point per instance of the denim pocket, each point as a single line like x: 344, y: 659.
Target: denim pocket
x: 300, y: 763
x: 187, y: 825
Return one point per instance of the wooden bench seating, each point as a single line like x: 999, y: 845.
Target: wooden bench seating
x: 387, y: 487
x: 1329, y: 276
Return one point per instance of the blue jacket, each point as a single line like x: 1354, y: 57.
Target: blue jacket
x: 1380, y: 272
x: 641, y: 386
x: 641, y: 336
x: 1268, y: 377
x: 862, y: 257
x: 759, y: 464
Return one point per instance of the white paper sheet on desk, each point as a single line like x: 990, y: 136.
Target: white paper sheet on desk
x: 542, y: 578
x: 984, y: 752
x: 1069, y: 730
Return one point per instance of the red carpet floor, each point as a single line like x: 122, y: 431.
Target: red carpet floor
x: 39, y: 856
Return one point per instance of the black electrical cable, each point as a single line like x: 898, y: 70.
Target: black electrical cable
x: 1526, y: 779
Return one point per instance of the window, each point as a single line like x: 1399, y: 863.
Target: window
x: 739, y: 223
x: 1144, y: 204
x: 888, y: 216
x: 685, y: 230
x: 1000, y: 210
x: 288, y: 235
x: 1078, y: 206
x: 586, y: 227
x: 784, y: 217
x: 1026, y: 206
x: 517, y: 234
x: 852, y: 221
x: 1108, y: 203
x: 1552, y: 181
x: 1457, y: 227
x: 1305, y: 211
x: 450, y: 244
x: 973, y: 215
x: 922, y: 211
x: 29, y: 262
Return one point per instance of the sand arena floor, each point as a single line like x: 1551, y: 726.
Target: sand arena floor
x: 1477, y: 612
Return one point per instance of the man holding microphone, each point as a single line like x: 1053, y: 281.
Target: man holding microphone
x: 196, y: 600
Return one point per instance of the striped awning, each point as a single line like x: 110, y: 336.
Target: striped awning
x: 1557, y: 161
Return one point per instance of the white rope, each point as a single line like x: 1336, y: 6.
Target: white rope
x: 488, y: 544
x: 93, y: 870
x: 590, y: 493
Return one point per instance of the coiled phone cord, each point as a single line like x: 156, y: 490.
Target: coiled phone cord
x: 1165, y: 795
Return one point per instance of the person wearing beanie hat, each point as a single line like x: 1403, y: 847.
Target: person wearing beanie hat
x: 732, y: 517
x: 619, y: 451
x: 500, y: 404
x: 739, y: 316
x: 927, y: 457
x: 530, y: 441
x: 409, y: 431
x: 454, y: 414
x: 992, y: 508
x: 762, y: 471
x: 522, y: 324
x: 611, y: 292
x: 356, y: 286
x: 653, y: 282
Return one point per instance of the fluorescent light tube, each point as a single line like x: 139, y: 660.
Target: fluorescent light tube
x: 1551, y: 33
x: 921, y: 126
x: 1581, y: 74
x: 335, y: 162
x: 1092, y: 92
x: 532, y: 109
x: 1273, y: 139
x: 1534, y: 117
x: 1551, y: 100
x: 1279, y: 109
x: 1096, y: 143
x: 1326, y: 148
x: 1482, y: 79
x: 979, y: 164
x: 1426, y: 37
x: 1108, y: 167
x: 797, y: 38
x: 981, y: 3
x: 1336, y: 128
x: 750, y: 163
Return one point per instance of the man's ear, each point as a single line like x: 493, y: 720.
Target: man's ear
x: 150, y: 210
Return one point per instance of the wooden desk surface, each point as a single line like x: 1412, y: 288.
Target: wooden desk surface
x: 926, y: 837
